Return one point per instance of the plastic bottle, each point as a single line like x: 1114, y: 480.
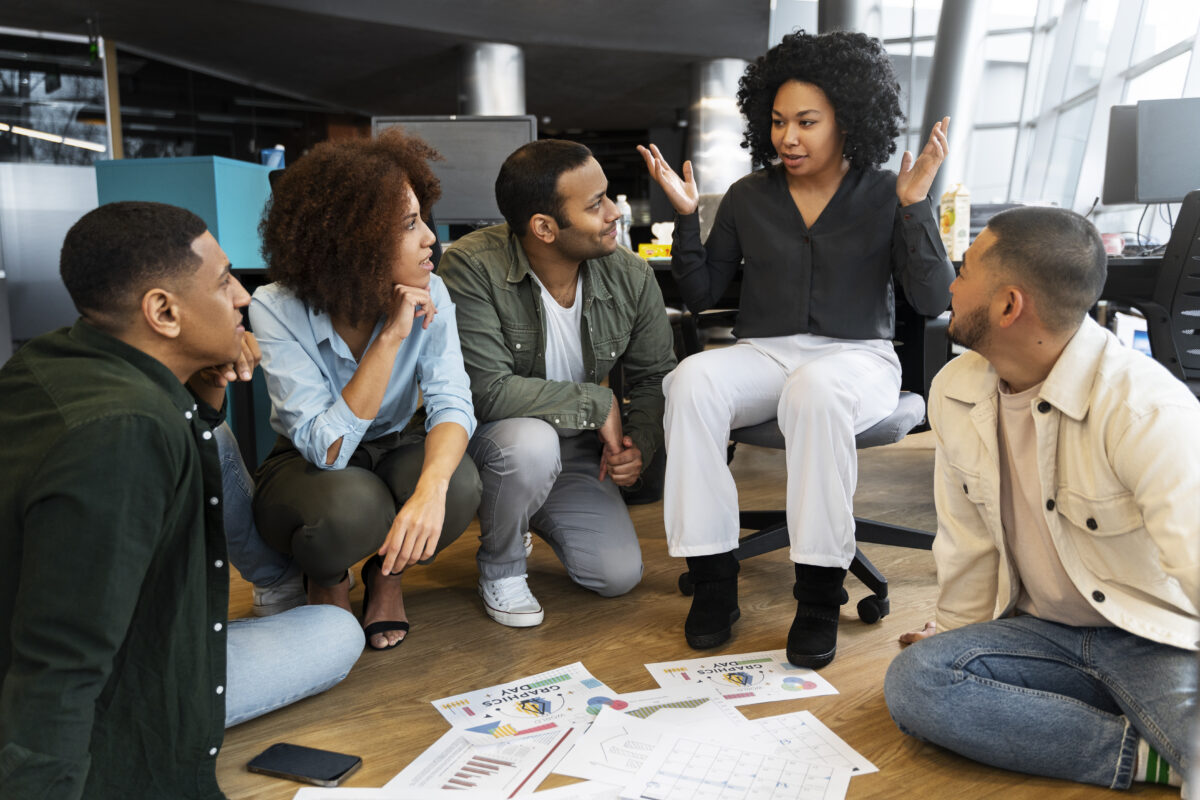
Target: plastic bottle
x: 626, y: 220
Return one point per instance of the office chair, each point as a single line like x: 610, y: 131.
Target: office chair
x: 1167, y: 293
x: 923, y: 349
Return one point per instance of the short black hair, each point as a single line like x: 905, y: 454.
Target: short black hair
x: 113, y: 254
x: 528, y: 181
x: 854, y: 72
x: 1056, y: 255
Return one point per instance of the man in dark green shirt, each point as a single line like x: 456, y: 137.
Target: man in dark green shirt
x: 547, y: 303
x: 113, y: 574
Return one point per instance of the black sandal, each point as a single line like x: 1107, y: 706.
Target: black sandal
x: 382, y: 626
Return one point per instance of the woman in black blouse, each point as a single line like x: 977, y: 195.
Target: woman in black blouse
x: 819, y: 232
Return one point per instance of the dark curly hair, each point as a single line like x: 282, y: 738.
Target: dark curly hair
x: 854, y: 72
x: 332, y: 226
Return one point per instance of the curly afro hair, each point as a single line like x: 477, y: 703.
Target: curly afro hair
x: 854, y: 72
x: 332, y: 226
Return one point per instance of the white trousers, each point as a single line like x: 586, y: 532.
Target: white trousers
x: 823, y: 391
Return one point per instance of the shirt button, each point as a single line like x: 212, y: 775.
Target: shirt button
x: 518, y: 345
x: 912, y: 249
x: 217, y: 627
x: 908, y: 216
x: 218, y: 563
x: 1044, y: 407
x: 1050, y: 505
x: 220, y: 690
x: 206, y: 435
x: 187, y: 415
x: 212, y: 751
x: 212, y: 501
x: 613, y: 354
x: 807, y: 240
x: 1091, y: 523
x: 965, y: 489
x: 1098, y: 596
x: 556, y: 420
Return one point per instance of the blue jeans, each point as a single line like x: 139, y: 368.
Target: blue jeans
x: 275, y: 661
x: 258, y: 562
x: 1048, y: 699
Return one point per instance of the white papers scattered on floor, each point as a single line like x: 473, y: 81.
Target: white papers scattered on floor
x: 744, y: 679
x: 685, y: 768
x: 402, y: 793
x: 553, y: 700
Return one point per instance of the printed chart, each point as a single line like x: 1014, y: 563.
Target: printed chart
x: 803, y: 737
x: 541, y: 703
x: 513, y: 767
x: 744, y: 679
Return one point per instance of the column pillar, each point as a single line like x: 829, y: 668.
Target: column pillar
x: 493, y: 79
x: 954, y: 76
x: 112, y: 98
x: 715, y: 125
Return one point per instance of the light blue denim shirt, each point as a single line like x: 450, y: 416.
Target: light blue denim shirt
x: 307, y: 364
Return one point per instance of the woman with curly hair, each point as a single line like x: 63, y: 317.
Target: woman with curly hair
x: 819, y: 232
x: 355, y: 331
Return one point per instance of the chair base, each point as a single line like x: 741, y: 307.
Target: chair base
x: 771, y: 534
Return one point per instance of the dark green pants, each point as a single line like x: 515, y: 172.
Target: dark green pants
x: 329, y: 519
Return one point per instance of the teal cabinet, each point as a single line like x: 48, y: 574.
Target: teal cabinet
x: 228, y: 195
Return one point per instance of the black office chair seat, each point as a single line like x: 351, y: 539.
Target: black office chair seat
x: 770, y: 527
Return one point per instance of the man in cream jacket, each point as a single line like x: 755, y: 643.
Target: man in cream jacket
x: 1068, y: 545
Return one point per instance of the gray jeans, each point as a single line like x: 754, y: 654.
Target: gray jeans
x: 535, y: 480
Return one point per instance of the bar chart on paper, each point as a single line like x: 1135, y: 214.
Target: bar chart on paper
x: 686, y: 769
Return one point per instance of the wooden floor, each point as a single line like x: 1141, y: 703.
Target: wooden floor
x: 382, y: 711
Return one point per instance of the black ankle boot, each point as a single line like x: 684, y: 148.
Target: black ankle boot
x: 714, y: 600
x: 812, y: 641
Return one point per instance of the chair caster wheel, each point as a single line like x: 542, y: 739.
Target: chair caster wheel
x: 873, y: 608
x: 685, y: 584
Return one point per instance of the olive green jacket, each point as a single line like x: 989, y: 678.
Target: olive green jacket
x: 503, y: 338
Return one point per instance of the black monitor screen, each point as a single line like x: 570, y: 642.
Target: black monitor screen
x: 1168, y: 158
x: 473, y: 149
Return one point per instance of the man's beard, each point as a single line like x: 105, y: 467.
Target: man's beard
x: 970, y: 329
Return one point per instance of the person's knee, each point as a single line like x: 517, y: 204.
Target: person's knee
x: 907, y: 689
x: 337, y: 633
x: 808, y: 391
x: 691, y: 384
x: 462, y: 497
x: 522, y: 449
x: 341, y: 526
x: 620, y: 575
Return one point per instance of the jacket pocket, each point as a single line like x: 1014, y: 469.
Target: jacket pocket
x: 607, y: 350
x: 1109, y: 516
x: 522, y: 342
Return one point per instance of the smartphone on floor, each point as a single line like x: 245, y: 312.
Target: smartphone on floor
x: 305, y: 764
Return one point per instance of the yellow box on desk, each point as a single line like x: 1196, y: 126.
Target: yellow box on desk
x: 654, y: 250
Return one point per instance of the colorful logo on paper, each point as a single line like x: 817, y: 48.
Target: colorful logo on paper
x: 597, y: 703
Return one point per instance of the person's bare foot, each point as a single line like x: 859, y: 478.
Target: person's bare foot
x: 387, y: 603
x: 336, y: 595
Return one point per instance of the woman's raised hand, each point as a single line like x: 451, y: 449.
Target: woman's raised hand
x: 915, y: 178
x: 682, y: 192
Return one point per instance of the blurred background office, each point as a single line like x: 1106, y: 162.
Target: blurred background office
x: 1030, y: 84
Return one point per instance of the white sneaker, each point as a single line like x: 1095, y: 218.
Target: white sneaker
x: 528, y: 539
x: 509, y: 602
x: 287, y: 594
x: 283, y: 596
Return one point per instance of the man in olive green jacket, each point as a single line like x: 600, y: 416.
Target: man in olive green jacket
x: 546, y: 304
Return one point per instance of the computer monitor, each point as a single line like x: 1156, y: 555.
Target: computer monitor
x: 1168, y: 158
x: 473, y: 149
x: 1120, y: 164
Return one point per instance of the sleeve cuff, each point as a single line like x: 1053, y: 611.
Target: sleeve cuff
x: 451, y: 415
x: 338, y: 422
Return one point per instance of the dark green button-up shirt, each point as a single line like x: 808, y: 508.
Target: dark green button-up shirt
x: 503, y: 338
x: 113, y: 578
